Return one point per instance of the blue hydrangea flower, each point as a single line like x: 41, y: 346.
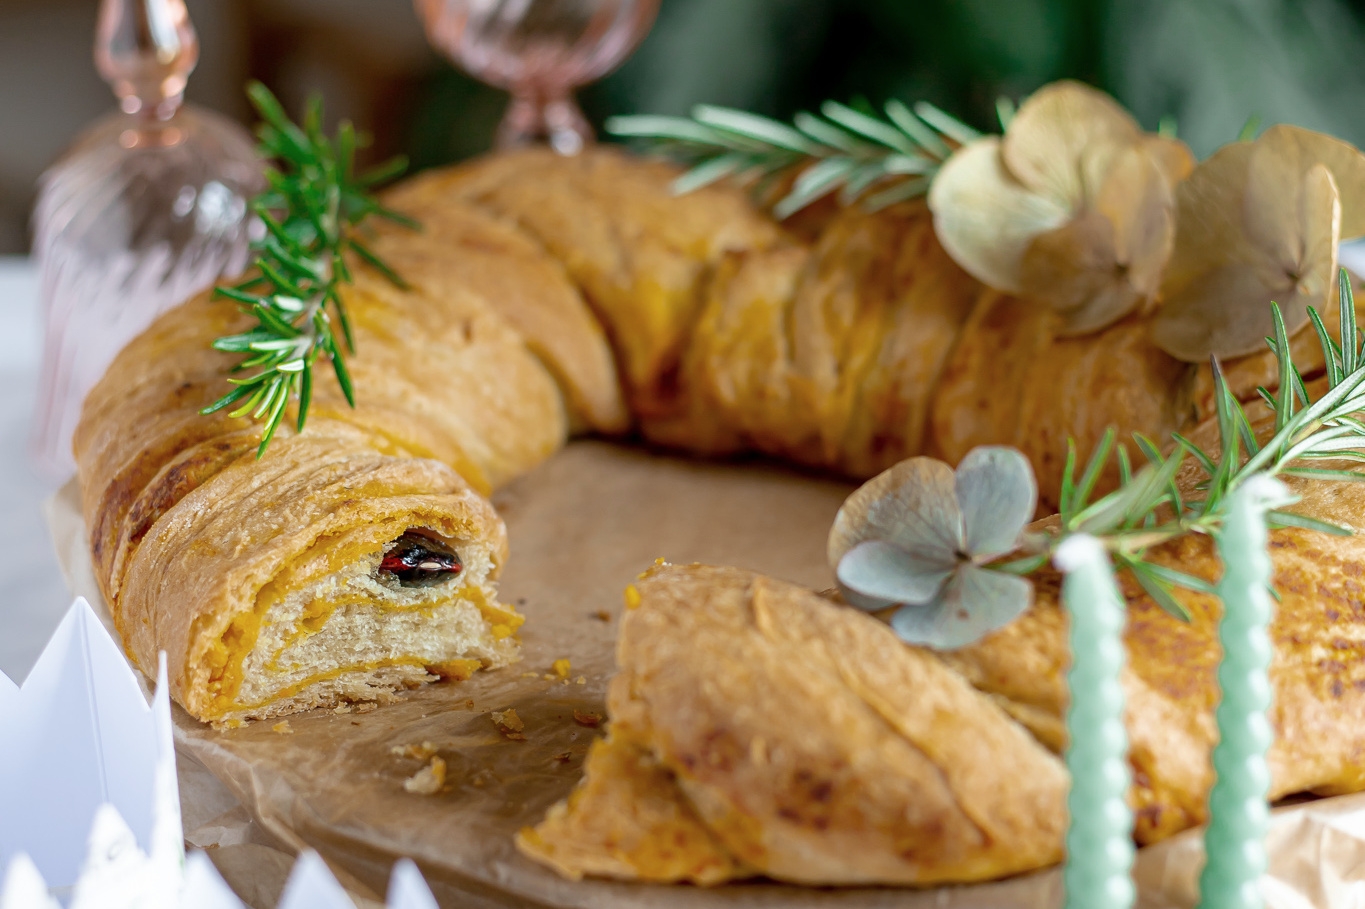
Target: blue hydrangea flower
x: 917, y: 536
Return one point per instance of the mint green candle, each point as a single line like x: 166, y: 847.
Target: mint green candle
x: 1235, y: 839
x: 1099, y: 840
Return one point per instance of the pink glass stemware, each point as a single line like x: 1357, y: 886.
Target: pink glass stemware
x: 540, y: 51
x: 147, y: 207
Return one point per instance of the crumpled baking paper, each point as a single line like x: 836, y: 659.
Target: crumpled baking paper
x: 581, y: 527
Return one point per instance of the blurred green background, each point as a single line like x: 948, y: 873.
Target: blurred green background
x: 1210, y: 64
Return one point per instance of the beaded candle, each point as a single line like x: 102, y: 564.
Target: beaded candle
x: 1238, y: 818
x: 1099, y: 840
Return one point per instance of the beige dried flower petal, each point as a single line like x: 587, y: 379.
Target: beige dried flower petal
x: 1288, y: 257
x: 986, y: 219
x: 1172, y: 157
x: 1208, y: 217
x: 1052, y: 130
x: 1302, y: 148
x: 1136, y: 199
x: 1107, y: 261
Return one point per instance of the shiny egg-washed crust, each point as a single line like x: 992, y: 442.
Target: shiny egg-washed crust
x: 752, y: 731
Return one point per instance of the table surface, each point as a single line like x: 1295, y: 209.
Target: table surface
x: 33, y: 596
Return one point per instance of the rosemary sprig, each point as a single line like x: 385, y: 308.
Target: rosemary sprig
x: 862, y: 156
x: 313, y: 200
x: 1148, y: 509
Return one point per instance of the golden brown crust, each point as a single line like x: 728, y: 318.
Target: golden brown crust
x: 758, y: 728
x: 461, y: 249
x: 816, y: 747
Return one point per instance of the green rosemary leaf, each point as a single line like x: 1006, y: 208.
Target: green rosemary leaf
x: 711, y: 171
x: 868, y: 127
x: 908, y: 165
x: 1149, y: 449
x: 1004, y: 111
x: 241, y: 343
x: 1066, y: 498
x: 1156, y: 588
x: 1249, y: 128
x: 227, y: 400
x: 1284, y: 402
x: 860, y: 179
x: 382, y: 173
x: 305, y: 392
x: 1349, y: 335
x: 1342, y: 396
x: 1196, y: 452
x: 233, y: 293
x: 1180, y: 579
x: 250, y: 405
x: 1331, y: 353
x: 917, y: 130
x: 948, y: 125
x: 1091, y: 475
x: 273, y: 322
x: 1322, y: 473
x: 313, y: 199
x: 312, y: 123
x: 1167, y: 126
x: 908, y: 189
x: 1355, y: 455
x: 654, y: 126
x: 343, y: 377
x: 276, y: 275
x: 1023, y: 566
x: 1292, y: 519
x: 1125, y: 466
x: 752, y: 126
x: 1300, y: 388
x: 274, y: 387
x: 344, y: 318
x: 378, y: 264
x: 816, y: 181
x: 273, y: 421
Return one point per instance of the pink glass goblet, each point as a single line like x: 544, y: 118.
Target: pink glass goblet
x: 540, y: 51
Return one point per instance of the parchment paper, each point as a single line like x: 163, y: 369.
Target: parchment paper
x: 582, y: 526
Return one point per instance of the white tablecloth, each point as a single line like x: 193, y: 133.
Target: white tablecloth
x: 33, y: 596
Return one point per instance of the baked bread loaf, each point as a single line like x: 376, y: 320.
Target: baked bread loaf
x: 548, y: 296
x: 759, y: 728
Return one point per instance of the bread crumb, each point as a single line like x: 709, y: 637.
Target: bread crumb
x: 469, y: 704
x: 563, y: 757
x: 365, y: 707
x: 509, y: 724
x: 632, y: 597
x: 581, y: 680
x: 416, y: 752
x: 342, y: 708
x: 283, y: 728
x: 602, y: 615
x: 530, y: 675
x: 587, y: 718
x: 428, y: 780
x: 561, y: 667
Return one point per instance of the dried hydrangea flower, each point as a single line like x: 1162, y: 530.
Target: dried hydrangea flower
x: 1073, y: 207
x: 1256, y: 222
x: 917, y: 535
